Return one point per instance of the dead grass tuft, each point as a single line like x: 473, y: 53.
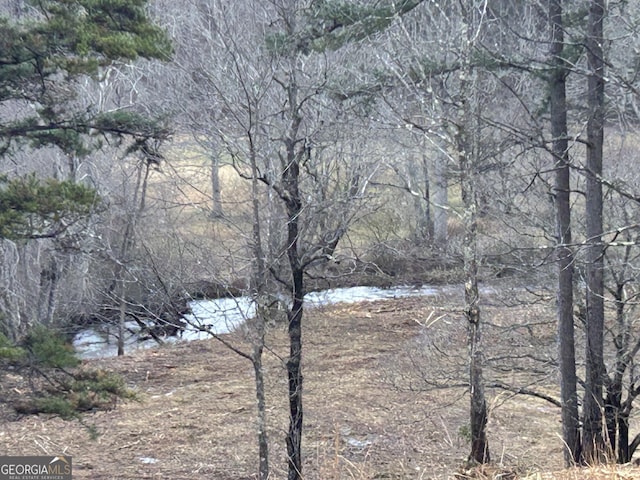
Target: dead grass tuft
x: 487, y: 472
x: 605, y: 472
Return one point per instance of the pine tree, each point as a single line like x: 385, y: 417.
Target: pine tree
x: 45, y: 52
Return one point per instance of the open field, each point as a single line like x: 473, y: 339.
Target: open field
x: 195, y: 418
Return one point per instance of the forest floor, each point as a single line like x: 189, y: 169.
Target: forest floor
x: 367, y: 414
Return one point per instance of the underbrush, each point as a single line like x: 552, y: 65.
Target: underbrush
x: 43, y: 375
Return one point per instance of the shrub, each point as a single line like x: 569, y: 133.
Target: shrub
x: 58, y: 386
x: 8, y: 351
x: 48, y: 349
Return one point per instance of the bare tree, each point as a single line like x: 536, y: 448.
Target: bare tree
x: 283, y: 132
x: 455, y: 123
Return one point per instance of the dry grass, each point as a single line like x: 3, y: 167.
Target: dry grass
x: 196, y: 417
x: 607, y: 472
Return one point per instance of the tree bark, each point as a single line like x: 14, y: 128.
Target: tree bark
x: 564, y: 253
x: 425, y: 223
x: 593, y: 442
x: 441, y: 202
x: 259, y: 287
x: 294, y: 151
x: 216, y: 190
x: 612, y: 415
x: 478, y: 411
x: 467, y: 146
x: 294, y: 363
x: 263, y: 439
x: 624, y: 450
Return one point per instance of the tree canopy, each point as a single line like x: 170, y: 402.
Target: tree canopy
x: 45, y: 52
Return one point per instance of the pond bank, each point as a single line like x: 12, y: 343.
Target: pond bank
x: 222, y: 315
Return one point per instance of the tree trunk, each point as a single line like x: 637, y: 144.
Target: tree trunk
x: 294, y: 363
x: 564, y: 253
x: 122, y: 317
x: 635, y: 443
x: 478, y: 412
x: 427, y: 218
x: 440, y: 202
x: 593, y: 442
x: 612, y: 413
x: 294, y: 374
x: 263, y: 440
x: 617, y: 415
x: 467, y: 146
x: 259, y: 287
x: 624, y: 451
x: 290, y: 161
x: 216, y: 195
x: 127, y: 243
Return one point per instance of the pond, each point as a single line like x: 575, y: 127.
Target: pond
x: 222, y: 315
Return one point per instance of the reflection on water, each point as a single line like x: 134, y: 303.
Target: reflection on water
x: 222, y: 315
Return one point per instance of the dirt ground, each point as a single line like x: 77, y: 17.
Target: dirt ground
x: 195, y: 417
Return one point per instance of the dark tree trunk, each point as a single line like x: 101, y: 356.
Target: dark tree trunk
x: 635, y: 443
x: 294, y: 373
x: 616, y: 409
x: 564, y: 253
x: 478, y: 411
x: 291, y: 195
x: 427, y: 219
x: 479, y: 442
x: 593, y: 441
x: 294, y: 363
x: 612, y: 415
x: 624, y: 452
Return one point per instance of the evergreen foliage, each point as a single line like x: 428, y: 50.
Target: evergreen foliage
x: 334, y: 23
x: 331, y: 24
x: 58, y: 386
x: 42, y: 55
x: 47, y: 349
x: 8, y: 351
x: 87, y: 390
x: 32, y: 208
